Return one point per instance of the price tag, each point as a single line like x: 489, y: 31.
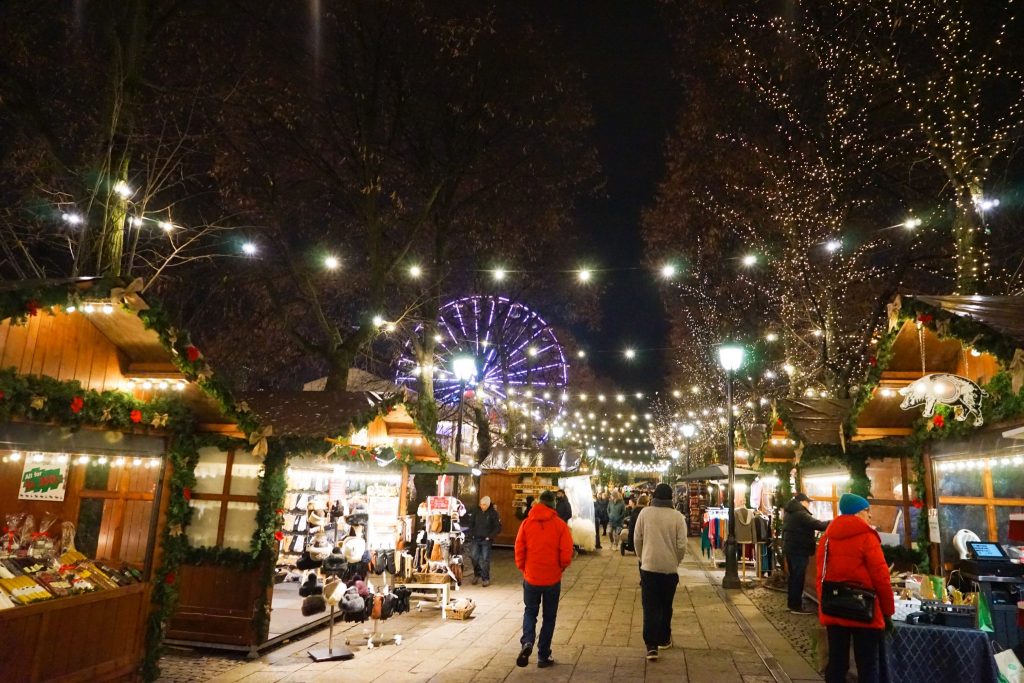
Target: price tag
x: 933, y: 526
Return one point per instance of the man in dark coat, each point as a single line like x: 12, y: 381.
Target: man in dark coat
x: 798, y: 544
x: 485, y: 526
x: 562, y: 506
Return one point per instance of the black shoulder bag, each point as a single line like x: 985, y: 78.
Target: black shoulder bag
x: 845, y: 600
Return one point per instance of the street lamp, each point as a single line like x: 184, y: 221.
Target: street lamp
x: 688, y: 431
x: 464, y: 368
x: 730, y: 357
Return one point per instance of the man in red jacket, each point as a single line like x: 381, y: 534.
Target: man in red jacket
x: 543, y: 551
x: 854, y: 556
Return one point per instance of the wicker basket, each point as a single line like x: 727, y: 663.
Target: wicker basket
x: 432, y: 577
x: 460, y: 614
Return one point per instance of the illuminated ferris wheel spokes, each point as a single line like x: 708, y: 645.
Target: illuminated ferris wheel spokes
x: 517, y: 352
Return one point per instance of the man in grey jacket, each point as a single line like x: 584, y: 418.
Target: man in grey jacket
x: 660, y: 542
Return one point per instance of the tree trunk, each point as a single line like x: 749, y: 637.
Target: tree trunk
x: 971, y: 249
x: 110, y: 246
x: 339, y: 365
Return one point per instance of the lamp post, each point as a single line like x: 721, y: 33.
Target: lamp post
x: 464, y: 369
x: 688, y: 431
x: 730, y: 357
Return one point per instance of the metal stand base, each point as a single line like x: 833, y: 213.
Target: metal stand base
x: 331, y: 654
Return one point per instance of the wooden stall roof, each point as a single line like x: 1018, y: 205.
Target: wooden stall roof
x: 317, y: 414
x: 1003, y: 314
x: 503, y: 458
x: 101, y: 350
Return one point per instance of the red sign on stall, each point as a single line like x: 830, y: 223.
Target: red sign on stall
x: 438, y: 505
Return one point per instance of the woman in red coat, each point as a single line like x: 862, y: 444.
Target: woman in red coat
x: 855, y: 557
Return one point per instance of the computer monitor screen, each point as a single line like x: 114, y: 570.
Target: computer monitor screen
x: 987, y: 551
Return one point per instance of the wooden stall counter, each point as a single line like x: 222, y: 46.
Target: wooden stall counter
x: 93, y: 637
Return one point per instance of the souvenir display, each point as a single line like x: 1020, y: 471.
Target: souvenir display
x: 31, y: 571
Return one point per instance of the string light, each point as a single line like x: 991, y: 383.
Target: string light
x: 415, y: 271
x: 332, y: 262
x: 248, y: 248
x: 584, y: 275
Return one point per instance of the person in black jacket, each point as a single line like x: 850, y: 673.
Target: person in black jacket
x: 799, y: 546
x: 562, y: 506
x: 600, y: 517
x: 485, y: 526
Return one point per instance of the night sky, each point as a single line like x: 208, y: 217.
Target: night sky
x: 625, y: 49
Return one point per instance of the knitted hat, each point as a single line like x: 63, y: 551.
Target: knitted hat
x: 851, y: 504
x: 548, y: 498
x: 663, y: 492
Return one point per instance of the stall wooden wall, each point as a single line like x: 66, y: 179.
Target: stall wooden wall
x: 63, y: 346
x: 216, y: 605
x: 498, y: 485
x: 93, y: 637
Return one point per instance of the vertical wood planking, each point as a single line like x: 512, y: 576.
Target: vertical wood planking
x: 86, y: 348
x: 30, y: 343
x: 53, y: 345
x: 14, y: 348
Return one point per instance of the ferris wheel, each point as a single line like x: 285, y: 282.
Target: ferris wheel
x: 517, y: 353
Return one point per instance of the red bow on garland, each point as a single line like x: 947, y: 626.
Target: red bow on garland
x: 925, y: 318
x: 939, y: 421
x: 77, y: 403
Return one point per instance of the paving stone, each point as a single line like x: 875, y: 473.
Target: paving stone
x: 598, y: 637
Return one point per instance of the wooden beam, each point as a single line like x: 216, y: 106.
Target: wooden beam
x: 906, y: 375
x: 225, y: 429
x: 155, y: 370
x: 869, y: 433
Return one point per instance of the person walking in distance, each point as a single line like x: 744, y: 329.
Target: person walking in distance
x: 851, y: 552
x: 486, y: 526
x: 659, y: 538
x: 600, y: 516
x: 798, y: 545
x: 616, y: 515
x: 543, y: 552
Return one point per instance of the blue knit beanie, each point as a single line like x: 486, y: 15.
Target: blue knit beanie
x: 851, y: 504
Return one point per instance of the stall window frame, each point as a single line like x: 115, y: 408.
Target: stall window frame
x: 121, y: 496
x: 905, y: 504
x: 987, y: 500
x: 225, y: 497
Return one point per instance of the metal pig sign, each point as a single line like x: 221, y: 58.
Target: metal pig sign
x: 960, y: 393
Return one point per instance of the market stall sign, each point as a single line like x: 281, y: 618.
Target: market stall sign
x: 43, y: 482
x: 438, y: 505
x: 534, y: 470
x: 959, y: 393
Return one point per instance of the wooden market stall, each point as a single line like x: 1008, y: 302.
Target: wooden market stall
x: 93, y: 412
x: 238, y: 604
x: 512, y: 474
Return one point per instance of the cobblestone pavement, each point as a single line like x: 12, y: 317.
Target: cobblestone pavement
x: 720, y: 637
x: 800, y: 631
x: 182, y: 665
